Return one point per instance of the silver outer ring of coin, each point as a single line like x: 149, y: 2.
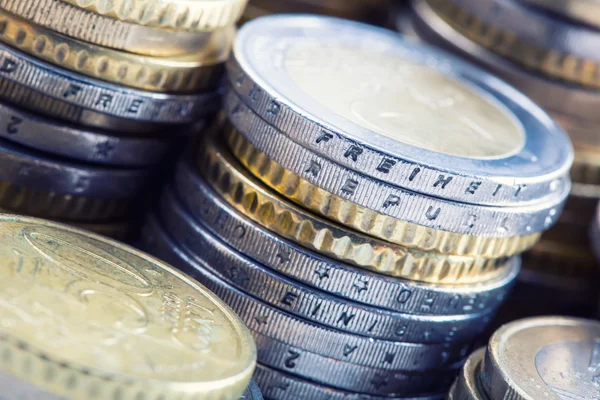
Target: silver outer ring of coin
x: 304, y: 302
x: 327, y: 275
x: 108, y: 32
x: 337, y: 345
x: 467, y: 385
x: 538, y: 28
x: 396, y: 202
x: 330, y: 135
x: 586, y: 11
x: 79, y: 143
x: 279, y: 354
x: 552, y: 95
x: 101, y: 97
x: 31, y: 169
x: 281, y: 385
x: 252, y: 392
x: 519, y: 378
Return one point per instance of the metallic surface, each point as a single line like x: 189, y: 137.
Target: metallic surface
x: 250, y: 196
x: 252, y: 392
x: 94, y: 146
x: 74, y: 96
x: 467, y: 385
x: 282, y: 385
x: 191, y: 15
x: 82, y: 312
x: 257, y: 73
x: 312, y: 305
x: 340, y: 279
x: 551, y: 94
x: 537, y: 41
x: 90, y: 27
x: 332, y: 190
x: 543, y: 358
x: 188, y: 73
x: 586, y: 11
x: 284, y: 342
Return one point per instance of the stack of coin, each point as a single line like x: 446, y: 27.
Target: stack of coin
x: 371, y: 11
x: 362, y: 206
x: 553, y: 59
x: 83, y: 317
x: 93, y: 95
x: 539, y: 358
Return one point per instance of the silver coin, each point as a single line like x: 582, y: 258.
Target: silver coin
x: 550, y: 94
x: 544, y: 358
x: 280, y: 385
x: 102, y: 99
x: 307, y: 303
x: 328, y: 275
x: 274, y: 349
x: 252, y: 392
x: 35, y: 170
x: 586, y: 11
x: 398, y: 111
x: 468, y: 385
x: 437, y: 213
x: 542, y: 30
x: 73, y: 142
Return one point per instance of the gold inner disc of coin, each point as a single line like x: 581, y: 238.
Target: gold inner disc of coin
x: 103, y: 308
x: 405, y: 101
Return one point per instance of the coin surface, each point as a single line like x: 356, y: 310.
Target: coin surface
x: 80, y: 313
x: 467, y: 385
x: 397, y: 110
x: 544, y: 358
x: 252, y: 392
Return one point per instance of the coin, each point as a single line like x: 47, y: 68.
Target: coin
x: 467, y: 385
x: 80, y: 313
x: 287, y: 70
x: 585, y: 11
x: 252, y: 392
x: 547, y: 357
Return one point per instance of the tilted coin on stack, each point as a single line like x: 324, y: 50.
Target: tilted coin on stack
x: 362, y: 206
x: 553, y: 59
x: 94, y: 95
x: 551, y: 358
x: 85, y: 317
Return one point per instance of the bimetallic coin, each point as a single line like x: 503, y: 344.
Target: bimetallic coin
x: 80, y: 313
x: 550, y: 93
x: 468, y: 384
x: 544, y: 358
x: 323, y: 273
x: 195, y: 15
x: 251, y: 197
x: 330, y: 189
x: 73, y: 142
x: 313, y: 305
x: 398, y: 111
x: 535, y: 40
x: 586, y: 11
x: 188, y: 73
x: 252, y: 392
x: 104, y: 31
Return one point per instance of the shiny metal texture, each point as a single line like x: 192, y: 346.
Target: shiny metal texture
x: 77, y: 143
x: 252, y: 392
x: 468, y: 385
x: 307, y: 303
x: 547, y: 357
x: 266, y: 86
x: 344, y: 280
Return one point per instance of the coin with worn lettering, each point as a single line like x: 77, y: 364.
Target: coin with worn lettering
x: 82, y: 316
x: 549, y: 358
x: 398, y: 111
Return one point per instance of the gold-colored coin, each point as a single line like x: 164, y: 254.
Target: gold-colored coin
x: 250, y: 196
x: 59, y: 16
x: 188, y: 73
x: 364, y: 220
x: 568, y: 67
x: 84, y: 317
x: 192, y: 15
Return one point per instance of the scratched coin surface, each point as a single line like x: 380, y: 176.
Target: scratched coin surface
x: 544, y: 358
x: 90, y: 314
